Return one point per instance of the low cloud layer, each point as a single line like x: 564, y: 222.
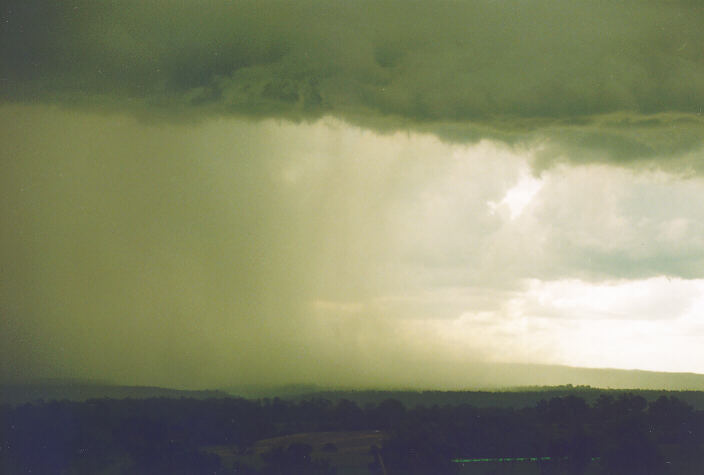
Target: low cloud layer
x: 612, y: 81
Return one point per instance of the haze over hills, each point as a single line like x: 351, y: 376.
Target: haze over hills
x: 513, y: 375
x: 487, y: 377
x: 82, y: 390
x: 505, y: 377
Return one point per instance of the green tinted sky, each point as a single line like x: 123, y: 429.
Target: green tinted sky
x: 205, y: 193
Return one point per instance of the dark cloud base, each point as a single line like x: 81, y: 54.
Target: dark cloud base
x: 590, y: 81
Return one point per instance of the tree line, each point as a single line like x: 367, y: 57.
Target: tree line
x: 615, y: 434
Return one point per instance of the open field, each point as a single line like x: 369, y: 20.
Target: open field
x: 626, y: 435
x: 348, y: 451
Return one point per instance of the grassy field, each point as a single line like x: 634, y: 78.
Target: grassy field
x: 349, y: 451
x: 512, y: 468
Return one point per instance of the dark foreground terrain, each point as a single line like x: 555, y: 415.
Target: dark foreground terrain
x: 614, y: 433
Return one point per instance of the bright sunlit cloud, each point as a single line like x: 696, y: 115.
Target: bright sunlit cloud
x: 649, y: 324
x: 519, y: 196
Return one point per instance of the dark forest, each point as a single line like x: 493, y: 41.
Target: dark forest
x: 616, y: 434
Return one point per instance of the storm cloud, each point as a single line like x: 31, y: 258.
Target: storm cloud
x: 362, y: 193
x: 588, y: 81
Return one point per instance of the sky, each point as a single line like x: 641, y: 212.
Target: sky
x: 360, y: 193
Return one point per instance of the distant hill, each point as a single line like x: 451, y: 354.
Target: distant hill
x: 517, y: 398
x: 513, y: 375
x: 75, y: 390
x: 481, y: 385
x: 505, y: 376
x: 506, y: 385
x: 284, y: 391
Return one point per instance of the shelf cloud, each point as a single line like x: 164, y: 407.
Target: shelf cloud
x: 588, y: 81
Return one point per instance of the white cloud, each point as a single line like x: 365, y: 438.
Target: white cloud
x: 649, y: 324
x: 648, y: 299
x: 519, y: 196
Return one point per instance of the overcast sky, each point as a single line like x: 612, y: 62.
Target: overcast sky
x: 198, y: 194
